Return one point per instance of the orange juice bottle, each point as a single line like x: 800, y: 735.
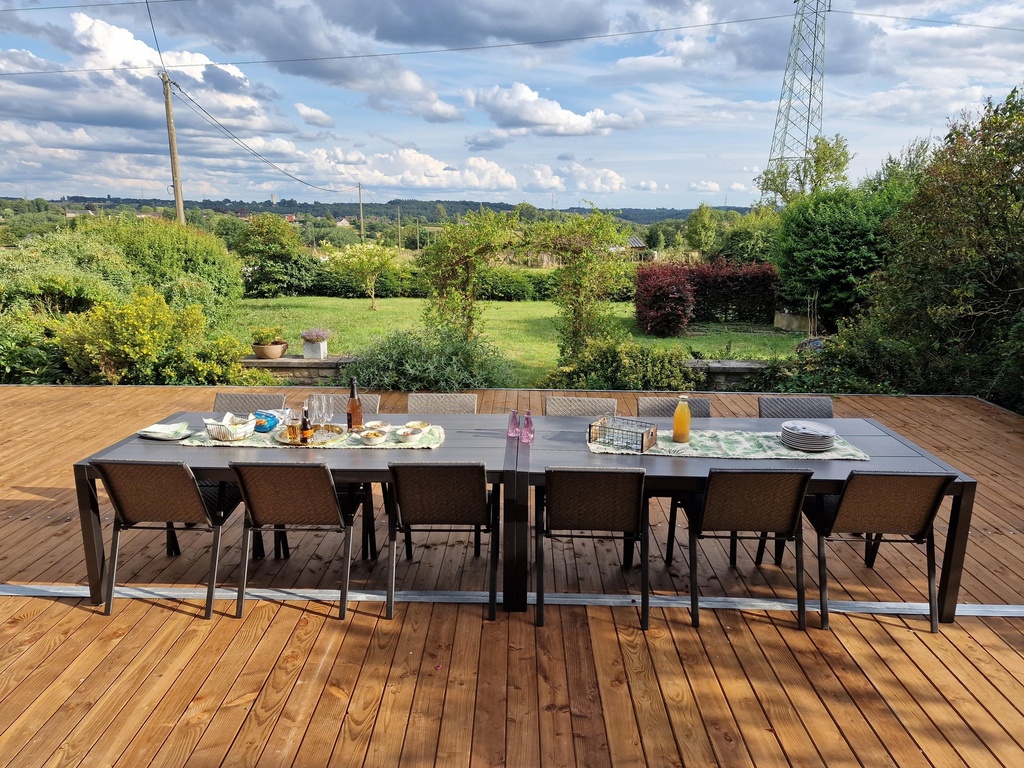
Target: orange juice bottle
x: 681, y: 421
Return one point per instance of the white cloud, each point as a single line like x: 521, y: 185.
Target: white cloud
x: 313, y: 116
x: 702, y: 186
x: 543, y: 179
x: 521, y: 107
x: 647, y: 186
x: 410, y: 168
x: 595, y: 180
x: 737, y: 187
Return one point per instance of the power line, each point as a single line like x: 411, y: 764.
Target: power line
x: 940, y: 22
x: 196, y: 107
x: 418, y: 52
x: 91, y: 5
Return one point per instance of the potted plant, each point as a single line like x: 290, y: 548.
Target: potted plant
x: 268, y: 342
x: 314, y: 343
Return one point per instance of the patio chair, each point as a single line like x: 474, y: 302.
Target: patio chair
x: 878, y: 504
x: 747, y: 500
x: 448, y: 402
x: 144, y: 492
x: 769, y: 407
x: 794, y: 407
x: 301, y: 497
x: 594, y: 499
x: 370, y: 403
x: 452, y: 494
x: 247, y: 402
x: 655, y: 407
x: 565, y: 405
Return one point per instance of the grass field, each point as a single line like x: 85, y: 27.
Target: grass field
x: 523, y: 330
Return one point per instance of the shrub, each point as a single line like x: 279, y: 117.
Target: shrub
x: 733, y: 293
x: 500, y: 283
x: 146, y: 342
x: 162, y: 252
x: 613, y: 364
x: 441, y: 362
x: 664, y: 301
x: 28, y: 354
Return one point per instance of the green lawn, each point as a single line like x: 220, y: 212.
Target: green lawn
x: 523, y: 330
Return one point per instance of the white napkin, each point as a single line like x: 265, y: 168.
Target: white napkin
x: 230, y: 419
x: 166, y: 430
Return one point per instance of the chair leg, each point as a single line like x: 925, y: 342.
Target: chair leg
x: 801, y: 592
x: 281, y: 551
x: 672, y: 515
x: 762, y: 542
x: 243, y: 576
x: 538, y: 542
x: 733, y: 540
x: 694, y: 599
x: 369, y: 531
x: 871, y: 544
x: 408, y: 543
x: 115, y: 540
x: 345, y: 570
x: 780, y: 550
x: 933, y: 597
x: 822, y: 582
x: 258, y: 550
x: 211, y: 587
x: 476, y: 541
x: 173, y: 550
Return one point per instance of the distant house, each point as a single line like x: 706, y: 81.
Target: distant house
x: 343, y: 222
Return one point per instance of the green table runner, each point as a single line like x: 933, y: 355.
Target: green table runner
x: 432, y: 438
x: 722, y: 444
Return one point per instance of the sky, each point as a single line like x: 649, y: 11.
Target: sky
x: 559, y: 103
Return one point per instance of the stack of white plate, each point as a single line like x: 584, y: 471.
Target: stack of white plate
x: 808, y: 436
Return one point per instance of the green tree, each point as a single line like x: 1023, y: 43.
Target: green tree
x: 275, y: 263
x: 368, y: 261
x: 949, y: 304
x: 589, y: 250
x: 702, y: 228
x: 751, y: 238
x: 452, y: 264
x: 823, y: 168
x: 827, y: 244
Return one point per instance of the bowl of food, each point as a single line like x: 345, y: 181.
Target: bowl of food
x: 233, y: 428
x: 373, y: 436
x: 422, y: 425
x: 409, y: 434
x: 376, y: 425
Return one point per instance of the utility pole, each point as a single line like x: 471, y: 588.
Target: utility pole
x: 179, y: 202
x: 399, y: 226
x: 798, y: 120
x: 362, y: 232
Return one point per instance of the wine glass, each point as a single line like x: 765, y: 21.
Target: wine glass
x: 327, y: 409
x: 316, y: 412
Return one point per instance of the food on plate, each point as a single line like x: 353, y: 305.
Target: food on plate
x: 409, y: 435
x: 417, y: 425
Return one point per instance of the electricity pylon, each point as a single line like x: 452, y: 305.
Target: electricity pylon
x: 798, y: 120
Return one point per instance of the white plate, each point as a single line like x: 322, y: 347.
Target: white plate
x: 808, y: 429
x: 166, y: 432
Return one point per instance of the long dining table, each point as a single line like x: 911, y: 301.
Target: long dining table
x: 519, y: 467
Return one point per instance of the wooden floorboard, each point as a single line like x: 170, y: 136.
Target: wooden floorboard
x: 439, y: 685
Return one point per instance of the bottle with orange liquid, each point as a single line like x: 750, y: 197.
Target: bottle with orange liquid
x: 681, y: 421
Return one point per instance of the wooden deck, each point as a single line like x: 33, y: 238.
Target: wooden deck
x: 290, y: 684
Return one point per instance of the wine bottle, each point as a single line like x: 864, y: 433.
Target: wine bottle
x: 355, y: 408
x: 306, y: 427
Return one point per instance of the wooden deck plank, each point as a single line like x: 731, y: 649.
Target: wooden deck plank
x: 154, y: 684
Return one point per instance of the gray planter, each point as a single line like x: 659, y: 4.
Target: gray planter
x: 314, y: 350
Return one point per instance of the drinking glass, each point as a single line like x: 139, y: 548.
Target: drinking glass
x: 526, y: 434
x: 513, y: 423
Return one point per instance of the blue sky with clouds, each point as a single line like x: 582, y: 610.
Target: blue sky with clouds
x: 410, y: 98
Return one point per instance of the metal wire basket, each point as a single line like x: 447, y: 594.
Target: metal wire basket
x: 619, y: 432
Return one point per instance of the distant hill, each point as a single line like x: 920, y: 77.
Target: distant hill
x: 425, y: 210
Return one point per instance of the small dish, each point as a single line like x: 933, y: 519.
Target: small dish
x: 373, y: 436
x: 423, y: 425
x: 376, y: 425
x: 409, y: 434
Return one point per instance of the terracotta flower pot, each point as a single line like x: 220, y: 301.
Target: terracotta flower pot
x: 269, y: 351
